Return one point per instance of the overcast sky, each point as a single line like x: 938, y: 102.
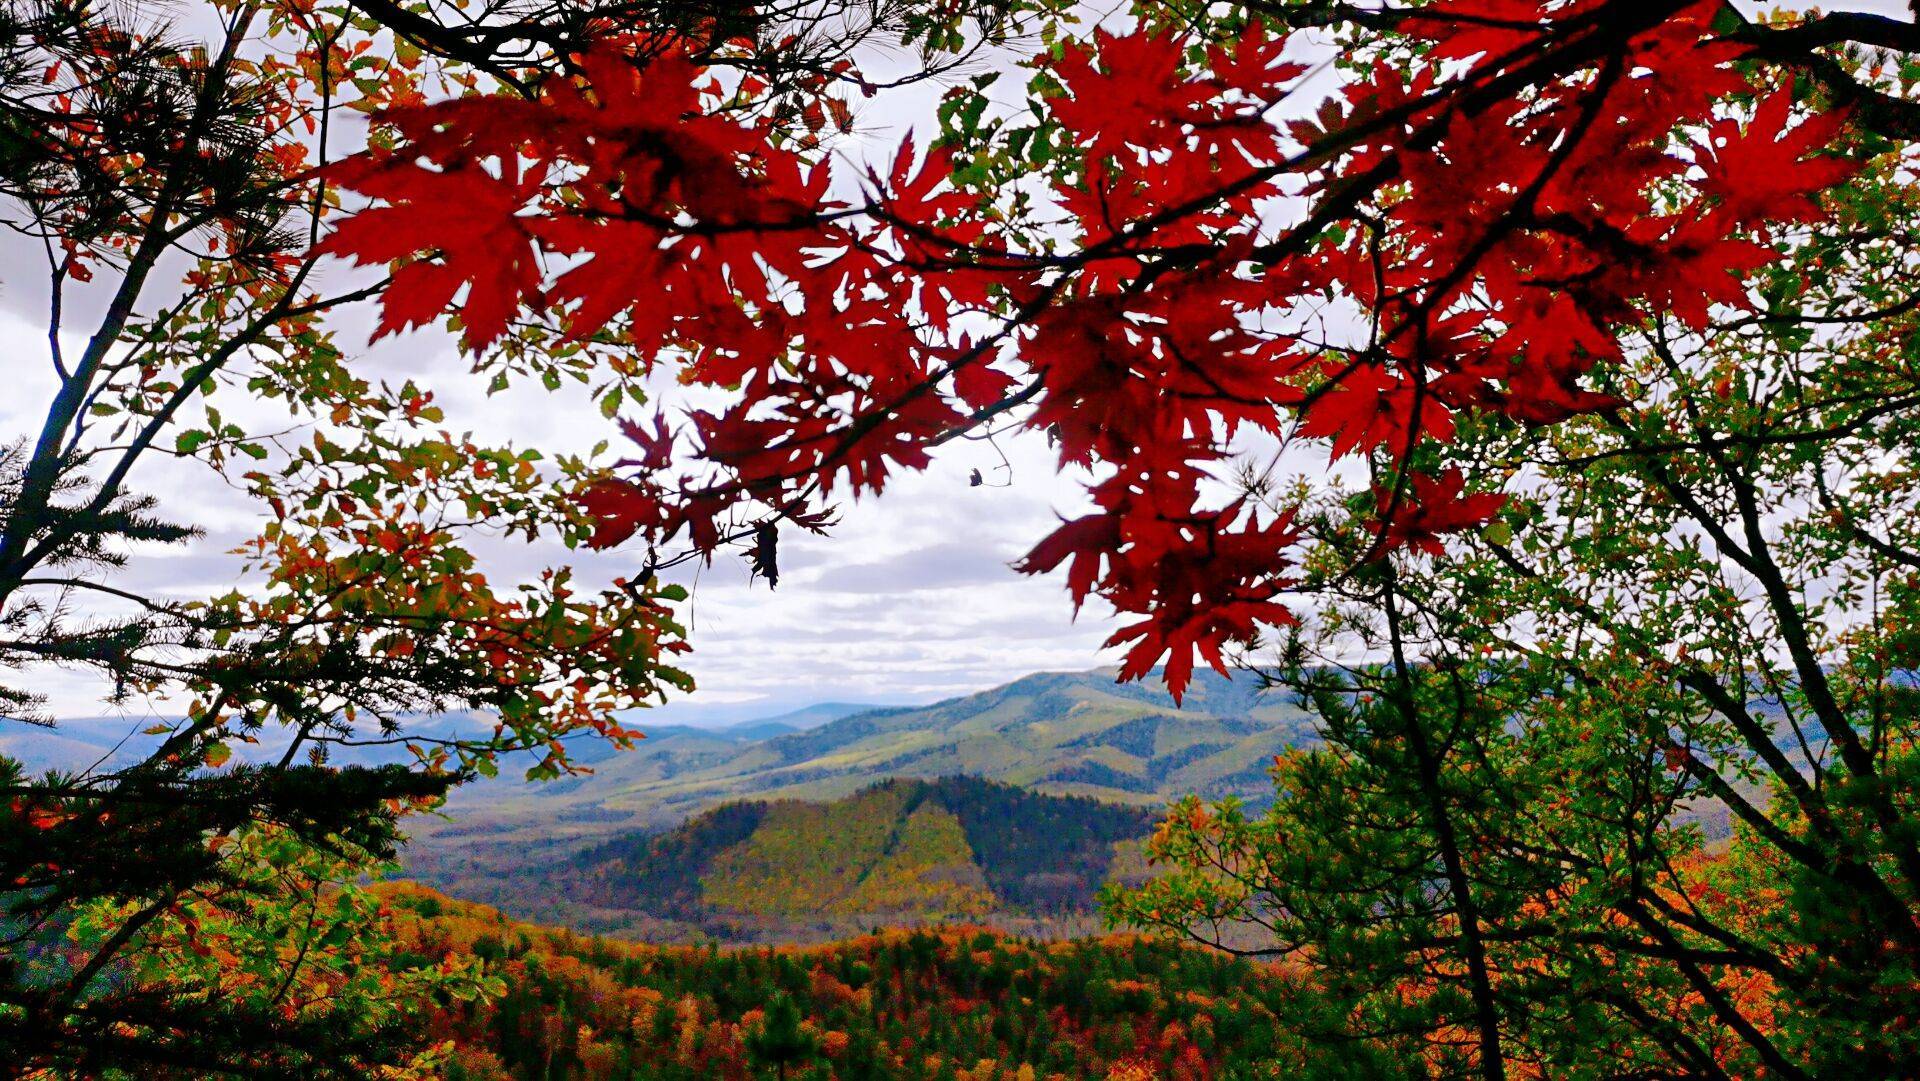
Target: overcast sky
x: 910, y: 599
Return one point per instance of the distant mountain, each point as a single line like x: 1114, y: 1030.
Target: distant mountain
x: 798, y: 720
x: 74, y: 746
x: 900, y: 851
x: 103, y: 744
x: 1064, y: 733
x: 77, y: 744
x: 1056, y: 733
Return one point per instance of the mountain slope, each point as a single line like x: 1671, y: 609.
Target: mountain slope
x: 1076, y: 733
x: 798, y: 720
x: 897, y: 851
x: 76, y: 744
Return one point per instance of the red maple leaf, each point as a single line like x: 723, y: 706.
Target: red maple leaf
x: 618, y: 508
x: 1430, y: 508
x: 1496, y: 247
x: 462, y: 225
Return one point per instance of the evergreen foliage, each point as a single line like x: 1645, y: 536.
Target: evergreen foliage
x: 957, y: 1003
x: 956, y: 847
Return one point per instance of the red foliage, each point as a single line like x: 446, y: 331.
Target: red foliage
x: 1431, y: 508
x: 1547, y: 175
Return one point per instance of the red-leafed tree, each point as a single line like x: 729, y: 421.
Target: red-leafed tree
x: 183, y: 903
x: 1138, y: 272
x: 1587, y: 313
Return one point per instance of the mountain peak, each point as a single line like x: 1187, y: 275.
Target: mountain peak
x: 1059, y: 734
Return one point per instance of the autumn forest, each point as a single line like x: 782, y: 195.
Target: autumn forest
x: 1473, y: 426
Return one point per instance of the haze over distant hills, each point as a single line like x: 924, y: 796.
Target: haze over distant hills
x: 1067, y: 733
x: 1055, y: 733
x: 77, y: 744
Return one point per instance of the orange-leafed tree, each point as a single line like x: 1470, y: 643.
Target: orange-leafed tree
x: 1494, y: 273
x: 186, y: 906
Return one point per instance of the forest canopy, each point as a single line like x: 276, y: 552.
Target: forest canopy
x: 1523, y: 384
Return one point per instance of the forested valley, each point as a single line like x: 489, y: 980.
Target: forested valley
x: 1477, y: 437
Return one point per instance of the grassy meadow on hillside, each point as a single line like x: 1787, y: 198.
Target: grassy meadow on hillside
x: 900, y: 852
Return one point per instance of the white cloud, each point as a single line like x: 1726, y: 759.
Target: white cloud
x: 909, y: 598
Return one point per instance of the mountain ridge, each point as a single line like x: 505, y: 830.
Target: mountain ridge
x: 1066, y: 733
x: 1058, y: 734
x: 899, y: 851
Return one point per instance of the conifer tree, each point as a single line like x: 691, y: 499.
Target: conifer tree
x: 166, y: 170
x: 781, y: 1042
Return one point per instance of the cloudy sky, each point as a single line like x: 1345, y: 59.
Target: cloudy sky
x: 910, y: 599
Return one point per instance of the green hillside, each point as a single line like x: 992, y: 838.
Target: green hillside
x: 1061, y: 733
x: 1055, y: 734
x: 902, y: 851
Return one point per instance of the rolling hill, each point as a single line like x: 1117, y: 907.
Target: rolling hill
x: 105, y: 743
x: 1059, y: 733
x: 952, y: 1003
x: 897, y: 852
